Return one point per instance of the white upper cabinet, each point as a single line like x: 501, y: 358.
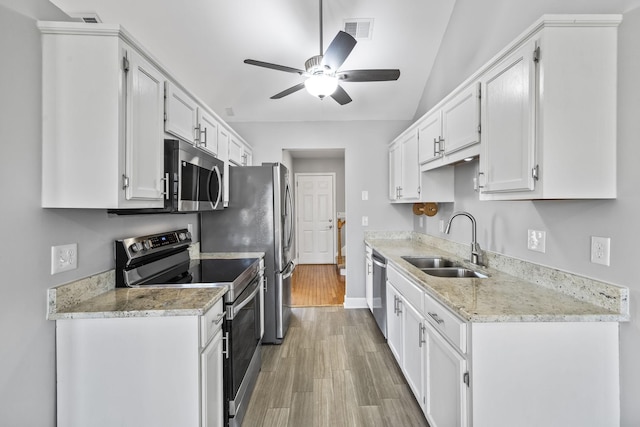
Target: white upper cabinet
x: 404, y: 171
x: 182, y: 114
x: 102, y: 127
x: 549, y: 112
x: 508, y: 123
x: 239, y: 153
x: 207, y: 131
x: 144, y: 157
x: 190, y: 121
x: 107, y: 107
x: 450, y: 132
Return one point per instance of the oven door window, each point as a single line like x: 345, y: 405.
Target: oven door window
x: 200, y: 188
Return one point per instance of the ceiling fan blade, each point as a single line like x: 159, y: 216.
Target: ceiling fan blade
x: 341, y: 96
x: 368, y: 75
x: 274, y: 66
x: 338, y: 50
x: 289, y: 91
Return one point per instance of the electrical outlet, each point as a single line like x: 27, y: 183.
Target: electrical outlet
x: 365, y: 221
x: 441, y: 225
x: 536, y: 240
x: 190, y: 228
x: 64, y: 258
x: 365, y: 195
x: 600, y: 250
x: 421, y: 221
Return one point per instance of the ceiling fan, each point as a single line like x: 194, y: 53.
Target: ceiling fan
x: 323, y: 77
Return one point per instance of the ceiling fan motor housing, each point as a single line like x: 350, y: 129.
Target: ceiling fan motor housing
x: 314, y: 65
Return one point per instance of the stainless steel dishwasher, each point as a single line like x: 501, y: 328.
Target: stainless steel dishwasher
x: 380, y: 291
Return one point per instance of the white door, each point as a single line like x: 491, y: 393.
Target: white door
x: 315, y: 201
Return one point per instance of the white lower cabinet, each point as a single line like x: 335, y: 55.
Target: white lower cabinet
x: 445, y: 376
x: 394, y: 321
x: 502, y: 374
x: 140, y: 371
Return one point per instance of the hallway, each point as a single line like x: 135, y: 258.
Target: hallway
x: 317, y: 285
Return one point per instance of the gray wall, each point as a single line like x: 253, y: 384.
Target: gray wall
x: 27, y: 339
x: 476, y: 32
x: 366, y: 168
x: 325, y: 165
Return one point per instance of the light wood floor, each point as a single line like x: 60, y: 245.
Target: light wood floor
x: 316, y: 285
x: 333, y: 369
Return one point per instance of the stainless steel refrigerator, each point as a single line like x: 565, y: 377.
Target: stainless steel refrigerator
x: 259, y: 218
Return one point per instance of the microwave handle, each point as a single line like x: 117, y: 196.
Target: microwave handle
x: 216, y: 169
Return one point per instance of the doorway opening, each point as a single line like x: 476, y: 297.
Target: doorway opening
x: 320, y: 245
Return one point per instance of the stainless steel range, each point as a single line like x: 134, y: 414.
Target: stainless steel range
x: 162, y: 260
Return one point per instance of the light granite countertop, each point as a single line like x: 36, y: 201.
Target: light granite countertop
x: 502, y: 297
x: 97, y: 297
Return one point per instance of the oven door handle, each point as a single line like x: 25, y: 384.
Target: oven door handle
x: 233, y: 310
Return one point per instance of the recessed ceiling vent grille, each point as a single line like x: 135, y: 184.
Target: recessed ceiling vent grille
x: 360, y: 29
x: 86, y: 17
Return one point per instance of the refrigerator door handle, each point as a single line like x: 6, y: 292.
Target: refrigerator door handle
x: 288, y: 272
x: 289, y: 214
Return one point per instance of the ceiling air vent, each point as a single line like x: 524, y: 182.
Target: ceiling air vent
x: 360, y: 29
x: 86, y: 17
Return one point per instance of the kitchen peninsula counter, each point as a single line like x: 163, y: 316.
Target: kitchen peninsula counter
x: 503, y: 297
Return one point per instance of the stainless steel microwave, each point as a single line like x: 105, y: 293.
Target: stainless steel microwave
x: 193, y: 181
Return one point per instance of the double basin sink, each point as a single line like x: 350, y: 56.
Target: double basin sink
x: 442, y: 267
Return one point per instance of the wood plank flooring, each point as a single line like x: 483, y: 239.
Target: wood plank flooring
x: 316, y: 285
x: 335, y: 369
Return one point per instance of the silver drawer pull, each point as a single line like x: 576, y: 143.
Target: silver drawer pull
x: 218, y: 319
x: 437, y: 318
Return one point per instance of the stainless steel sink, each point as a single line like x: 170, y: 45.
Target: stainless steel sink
x: 454, y: 272
x: 429, y: 262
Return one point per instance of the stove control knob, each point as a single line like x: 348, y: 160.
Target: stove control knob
x: 136, y: 247
x: 183, y: 236
x: 147, y: 244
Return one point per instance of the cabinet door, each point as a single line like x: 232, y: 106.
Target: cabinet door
x: 211, y: 381
x: 394, y: 322
x: 182, y: 114
x: 461, y: 120
x: 395, y: 166
x: 235, y: 151
x: 410, y: 176
x: 429, y: 137
x: 413, y: 349
x: 445, y: 390
x: 207, y: 132
x: 144, y: 148
x: 368, y: 288
x: 508, y: 121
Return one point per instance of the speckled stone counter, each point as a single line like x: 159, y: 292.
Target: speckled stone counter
x: 502, y: 297
x: 97, y: 296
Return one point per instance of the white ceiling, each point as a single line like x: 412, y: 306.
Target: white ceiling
x: 204, y: 43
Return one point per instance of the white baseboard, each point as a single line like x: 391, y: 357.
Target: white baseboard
x: 355, y: 303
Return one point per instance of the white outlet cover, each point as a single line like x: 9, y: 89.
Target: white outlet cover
x: 537, y: 240
x: 64, y: 258
x: 365, y: 221
x: 601, y: 250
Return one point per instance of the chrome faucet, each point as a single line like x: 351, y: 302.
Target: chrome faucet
x: 476, y: 253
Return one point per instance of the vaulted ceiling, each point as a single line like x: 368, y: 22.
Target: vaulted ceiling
x: 204, y: 43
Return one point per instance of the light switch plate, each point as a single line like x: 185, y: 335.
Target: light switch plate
x: 601, y: 250
x: 365, y: 221
x: 365, y: 195
x: 537, y: 240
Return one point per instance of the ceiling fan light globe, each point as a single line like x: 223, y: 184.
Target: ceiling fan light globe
x: 321, y: 85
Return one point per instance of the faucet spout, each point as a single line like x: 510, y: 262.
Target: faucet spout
x: 475, y: 247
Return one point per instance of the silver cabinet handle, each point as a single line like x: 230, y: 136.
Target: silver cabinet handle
x: 203, y: 131
x: 218, y: 319
x: 399, y: 306
x: 480, y: 184
x: 437, y: 318
x: 166, y: 185
x: 421, y: 339
x: 225, y: 345
x: 436, y: 151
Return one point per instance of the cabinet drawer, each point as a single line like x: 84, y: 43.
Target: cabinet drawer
x: 449, y: 325
x: 412, y: 293
x: 211, y: 322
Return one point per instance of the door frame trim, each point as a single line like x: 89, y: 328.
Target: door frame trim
x: 333, y: 213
